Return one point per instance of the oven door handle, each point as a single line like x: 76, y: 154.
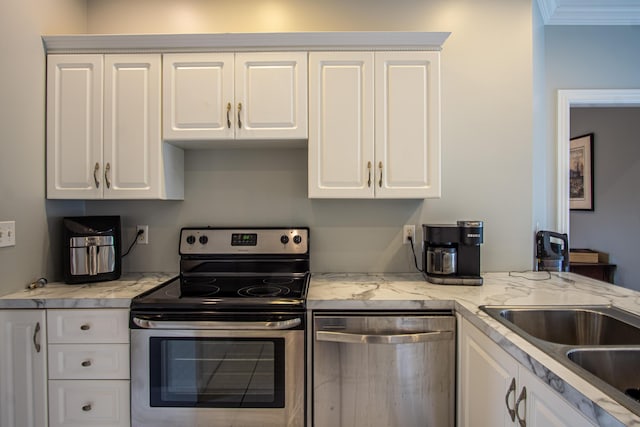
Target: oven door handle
x: 279, y: 325
x: 411, y: 338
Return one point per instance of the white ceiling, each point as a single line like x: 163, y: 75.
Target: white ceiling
x: 590, y: 12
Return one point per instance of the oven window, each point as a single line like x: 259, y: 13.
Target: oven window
x: 217, y: 372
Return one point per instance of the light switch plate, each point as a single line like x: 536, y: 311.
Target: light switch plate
x: 7, y: 233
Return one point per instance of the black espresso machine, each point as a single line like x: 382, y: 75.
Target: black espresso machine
x: 451, y: 254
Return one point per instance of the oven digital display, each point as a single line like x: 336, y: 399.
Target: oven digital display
x: 244, y: 239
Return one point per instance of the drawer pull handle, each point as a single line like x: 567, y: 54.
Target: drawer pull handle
x: 87, y: 407
x: 239, y: 119
x: 522, y: 398
x: 36, y: 337
x: 512, y: 390
x: 85, y: 327
x: 86, y: 363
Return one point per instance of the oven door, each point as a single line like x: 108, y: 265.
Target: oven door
x: 217, y: 373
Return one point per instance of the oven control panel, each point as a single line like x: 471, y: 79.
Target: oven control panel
x: 229, y: 241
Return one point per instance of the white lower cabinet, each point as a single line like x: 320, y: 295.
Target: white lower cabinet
x: 88, y: 360
x: 495, y: 390
x: 23, y: 368
x: 84, y: 403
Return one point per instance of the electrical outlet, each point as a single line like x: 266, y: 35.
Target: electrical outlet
x: 7, y: 233
x: 408, y: 231
x: 143, y: 239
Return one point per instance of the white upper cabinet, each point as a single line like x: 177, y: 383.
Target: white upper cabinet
x: 341, y: 111
x: 74, y: 126
x: 374, y: 127
x: 103, y: 129
x: 222, y: 96
x: 407, y: 129
x: 198, y: 96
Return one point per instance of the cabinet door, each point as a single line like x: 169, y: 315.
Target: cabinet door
x: 132, y: 144
x: 271, y: 95
x: 544, y: 408
x: 23, y: 374
x: 341, y: 162
x: 486, y: 373
x: 198, y: 96
x: 407, y: 130
x: 74, y: 127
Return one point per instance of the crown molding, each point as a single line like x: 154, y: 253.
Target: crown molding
x: 590, y: 12
x: 238, y: 42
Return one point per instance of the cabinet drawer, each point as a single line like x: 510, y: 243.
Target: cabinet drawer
x: 88, y: 326
x: 83, y: 403
x: 88, y: 361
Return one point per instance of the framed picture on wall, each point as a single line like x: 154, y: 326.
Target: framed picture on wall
x: 581, y: 173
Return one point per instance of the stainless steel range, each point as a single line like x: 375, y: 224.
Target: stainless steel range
x: 223, y: 343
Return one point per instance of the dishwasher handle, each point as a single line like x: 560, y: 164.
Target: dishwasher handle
x: 392, y: 339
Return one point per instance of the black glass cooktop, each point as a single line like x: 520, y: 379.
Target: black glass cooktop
x: 220, y: 292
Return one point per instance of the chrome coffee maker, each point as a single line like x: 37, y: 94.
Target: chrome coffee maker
x: 451, y: 254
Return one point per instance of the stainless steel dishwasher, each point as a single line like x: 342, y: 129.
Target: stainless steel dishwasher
x: 386, y: 369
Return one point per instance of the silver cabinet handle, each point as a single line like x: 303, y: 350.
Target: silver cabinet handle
x: 522, y: 398
x: 152, y: 324
x: 512, y: 389
x: 228, y: 117
x: 87, y: 407
x: 369, y: 179
x: 239, y: 120
x: 86, y: 363
x: 380, y: 182
x: 96, y: 168
x: 85, y: 327
x: 107, y: 169
x: 36, y: 337
x: 412, y: 338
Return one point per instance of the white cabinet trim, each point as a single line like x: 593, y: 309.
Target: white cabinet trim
x: 239, y: 42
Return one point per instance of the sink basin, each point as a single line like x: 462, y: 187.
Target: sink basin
x: 599, y: 343
x: 572, y: 325
x: 616, y: 367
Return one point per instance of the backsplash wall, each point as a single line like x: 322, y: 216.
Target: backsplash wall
x: 267, y: 187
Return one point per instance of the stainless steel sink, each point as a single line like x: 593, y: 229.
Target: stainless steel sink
x: 615, y: 366
x: 599, y: 343
x: 574, y: 325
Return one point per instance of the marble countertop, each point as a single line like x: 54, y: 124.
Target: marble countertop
x: 332, y: 291
x: 349, y: 291
x: 112, y: 294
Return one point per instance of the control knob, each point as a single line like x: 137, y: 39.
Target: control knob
x: 203, y: 240
x: 284, y: 239
x: 297, y: 239
x: 191, y: 239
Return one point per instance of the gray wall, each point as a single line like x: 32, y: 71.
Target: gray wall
x: 22, y: 162
x: 583, y: 57
x: 486, y: 136
x: 614, y: 225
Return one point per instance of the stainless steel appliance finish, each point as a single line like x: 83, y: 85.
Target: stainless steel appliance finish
x: 441, y: 261
x: 92, y: 255
x: 384, y: 369
x: 233, y: 376
x: 223, y: 343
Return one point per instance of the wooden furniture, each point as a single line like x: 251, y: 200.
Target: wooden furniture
x: 595, y: 270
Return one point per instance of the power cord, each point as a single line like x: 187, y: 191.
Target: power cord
x: 413, y: 252
x: 135, y: 240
